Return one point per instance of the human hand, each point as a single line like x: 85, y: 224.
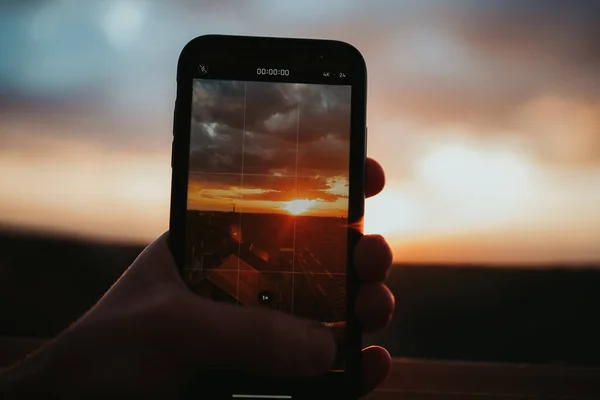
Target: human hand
x: 150, y: 335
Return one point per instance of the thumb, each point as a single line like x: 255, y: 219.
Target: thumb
x: 255, y: 340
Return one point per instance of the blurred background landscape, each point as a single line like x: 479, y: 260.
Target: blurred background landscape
x: 485, y: 115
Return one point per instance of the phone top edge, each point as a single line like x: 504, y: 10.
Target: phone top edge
x: 213, y: 43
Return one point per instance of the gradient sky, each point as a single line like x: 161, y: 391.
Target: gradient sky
x: 486, y: 116
x: 261, y: 145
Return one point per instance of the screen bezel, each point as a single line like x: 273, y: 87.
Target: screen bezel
x: 308, y: 55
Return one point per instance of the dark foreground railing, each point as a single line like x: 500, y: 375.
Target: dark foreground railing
x: 424, y: 380
x: 439, y: 380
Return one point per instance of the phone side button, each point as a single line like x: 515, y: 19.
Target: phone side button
x: 172, y: 152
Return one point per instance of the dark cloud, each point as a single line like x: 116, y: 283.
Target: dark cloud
x: 214, y: 181
x: 270, y: 160
x: 271, y: 108
x: 218, y: 102
x: 270, y: 128
x: 217, y: 126
x: 525, y: 52
x: 549, y: 38
x: 329, y: 154
x: 215, y: 148
x: 298, y: 112
x: 475, y: 63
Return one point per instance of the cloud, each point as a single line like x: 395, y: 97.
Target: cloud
x: 568, y: 130
x: 474, y: 63
x: 486, y: 69
x: 552, y: 31
x: 442, y: 61
x: 266, y: 188
x: 270, y: 128
x: 199, y: 182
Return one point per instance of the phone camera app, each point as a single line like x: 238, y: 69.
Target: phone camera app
x: 267, y: 202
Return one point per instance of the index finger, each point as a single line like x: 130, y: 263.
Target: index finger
x: 374, y: 178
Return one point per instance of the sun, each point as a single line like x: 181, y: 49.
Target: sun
x: 296, y: 207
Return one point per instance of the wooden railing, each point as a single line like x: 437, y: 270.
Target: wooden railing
x: 424, y: 380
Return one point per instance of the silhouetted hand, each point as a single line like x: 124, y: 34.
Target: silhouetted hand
x: 149, y: 334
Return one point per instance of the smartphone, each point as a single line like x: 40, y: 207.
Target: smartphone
x: 267, y: 203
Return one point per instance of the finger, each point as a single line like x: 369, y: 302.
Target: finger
x: 374, y: 178
x: 374, y: 306
x: 377, y: 364
x: 372, y: 258
x: 255, y: 340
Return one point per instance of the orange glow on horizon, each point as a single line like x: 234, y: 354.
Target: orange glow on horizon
x: 118, y: 196
x: 299, y: 206
x: 331, y: 201
x: 82, y: 197
x: 460, y: 199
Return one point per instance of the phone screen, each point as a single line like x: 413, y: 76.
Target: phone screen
x: 268, y: 197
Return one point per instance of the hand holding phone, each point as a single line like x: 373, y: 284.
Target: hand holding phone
x: 149, y: 334
x: 269, y: 157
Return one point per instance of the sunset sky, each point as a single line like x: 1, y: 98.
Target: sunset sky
x: 485, y: 115
x: 270, y: 148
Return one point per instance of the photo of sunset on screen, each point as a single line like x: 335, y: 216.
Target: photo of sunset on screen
x: 267, y: 207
